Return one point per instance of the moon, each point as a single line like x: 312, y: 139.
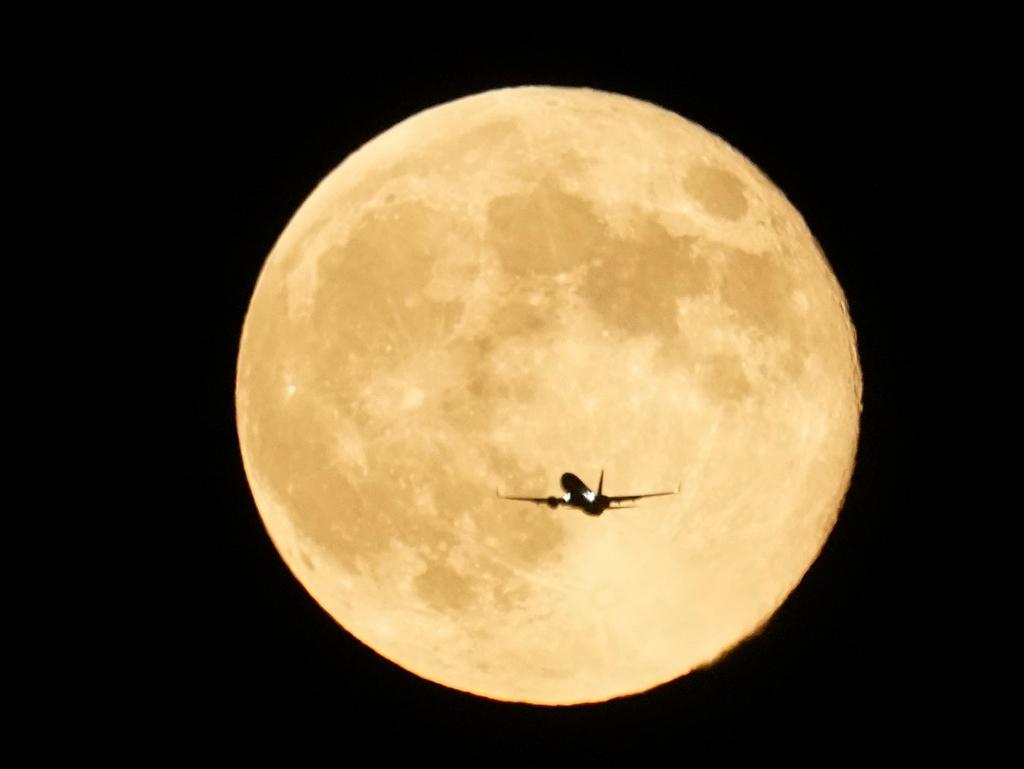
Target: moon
x: 525, y: 282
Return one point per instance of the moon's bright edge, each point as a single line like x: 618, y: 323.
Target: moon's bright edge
x: 526, y: 282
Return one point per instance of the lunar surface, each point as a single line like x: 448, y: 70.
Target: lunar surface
x: 518, y: 284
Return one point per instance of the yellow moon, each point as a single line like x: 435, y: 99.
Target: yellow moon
x: 525, y: 282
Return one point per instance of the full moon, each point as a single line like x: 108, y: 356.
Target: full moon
x: 527, y: 282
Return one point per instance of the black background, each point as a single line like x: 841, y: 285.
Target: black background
x: 846, y: 662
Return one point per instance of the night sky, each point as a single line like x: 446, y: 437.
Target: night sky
x: 846, y: 663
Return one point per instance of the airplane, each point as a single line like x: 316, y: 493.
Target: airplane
x: 590, y: 502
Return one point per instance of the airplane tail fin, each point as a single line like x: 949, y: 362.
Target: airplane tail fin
x: 600, y: 483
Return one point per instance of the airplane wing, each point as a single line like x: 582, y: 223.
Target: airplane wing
x: 634, y: 497
x: 550, y: 501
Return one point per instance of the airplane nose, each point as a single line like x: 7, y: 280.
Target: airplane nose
x: 573, y: 484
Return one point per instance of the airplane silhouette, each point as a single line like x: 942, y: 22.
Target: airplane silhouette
x: 590, y: 502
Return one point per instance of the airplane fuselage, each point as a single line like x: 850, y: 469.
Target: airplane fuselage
x: 578, y: 494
